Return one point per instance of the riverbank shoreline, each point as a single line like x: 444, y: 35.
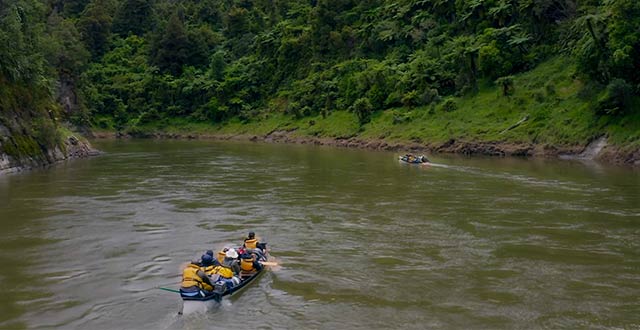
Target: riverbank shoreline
x: 596, y: 150
x: 74, y: 148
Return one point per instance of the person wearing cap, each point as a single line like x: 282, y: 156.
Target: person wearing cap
x: 231, y: 261
x: 229, y: 266
x: 228, y: 270
x: 207, y: 263
x: 194, y: 278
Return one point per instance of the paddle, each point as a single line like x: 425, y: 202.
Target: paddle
x: 269, y: 263
x: 170, y: 290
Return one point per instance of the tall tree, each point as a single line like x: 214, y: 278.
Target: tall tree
x: 21, y: 29
x: 624, y: 39
x: 134, y: 17
x: 95, y: 27
x: 171, y: 51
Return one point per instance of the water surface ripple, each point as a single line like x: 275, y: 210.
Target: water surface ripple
x: 364, y: 242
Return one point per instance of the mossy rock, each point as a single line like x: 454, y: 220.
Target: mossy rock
x: 20, y: 146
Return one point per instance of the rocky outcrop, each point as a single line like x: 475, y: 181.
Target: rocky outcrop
x: 71, y: 147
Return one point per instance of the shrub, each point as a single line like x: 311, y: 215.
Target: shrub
x: 410, y: 99
x: 104, y: 123
x: 449, y: 105
x: 616, y: 98
x: 507, y: 85
x: 492, y: 62
x: 430, y: 95
x: 550, y: 88
x: 362, y: 108
x: 294, y: 108
x: 538, y: 96
x: 45, y: 133
x: 149, y: 117
x: 399, y: 117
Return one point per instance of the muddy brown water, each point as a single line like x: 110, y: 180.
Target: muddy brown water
x: 364, y: 242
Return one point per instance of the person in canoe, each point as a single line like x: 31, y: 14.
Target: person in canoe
x: 252, y: 244
x: 231, y: 261
x: 221, y: 255
x: 194, y: 277
x: 208, y: 262
x: 229, y: 270
x: 411, y: 158
x: 215, y: 261
x: 249, y: 261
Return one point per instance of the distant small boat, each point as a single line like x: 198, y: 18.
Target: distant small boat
x: 413, y: 159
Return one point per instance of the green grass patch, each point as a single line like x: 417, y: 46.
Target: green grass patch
x: 547, y: 105
x: 338, y: 124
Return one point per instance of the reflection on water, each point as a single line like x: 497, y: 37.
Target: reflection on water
x: 363, y: 240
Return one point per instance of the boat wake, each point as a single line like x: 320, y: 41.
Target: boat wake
x: 191, y: 307
x: 521, y: 178
x: 439, y: 165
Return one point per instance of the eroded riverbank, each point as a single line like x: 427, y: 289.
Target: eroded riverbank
x: 598, y: 149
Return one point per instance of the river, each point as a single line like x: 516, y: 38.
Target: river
x: 362, y: 241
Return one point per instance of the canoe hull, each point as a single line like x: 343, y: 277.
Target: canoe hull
x: 405, y: 160
x: 221, y: 288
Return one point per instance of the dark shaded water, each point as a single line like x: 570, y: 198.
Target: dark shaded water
x: 364, y: 241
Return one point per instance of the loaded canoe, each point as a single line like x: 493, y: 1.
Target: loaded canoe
x: 223, y: 287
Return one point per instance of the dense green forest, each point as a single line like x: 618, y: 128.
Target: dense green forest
x: 435, y: 69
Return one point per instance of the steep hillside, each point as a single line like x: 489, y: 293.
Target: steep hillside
x: 541, y: 74
x: 407, y: 71
x: 33, y: 125
x: 30, y: 133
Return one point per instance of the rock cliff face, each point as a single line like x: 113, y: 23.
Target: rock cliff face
x: 32, y: 124
x: 19, y: 153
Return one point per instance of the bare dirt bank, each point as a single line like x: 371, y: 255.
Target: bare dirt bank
x: 598, y: 149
